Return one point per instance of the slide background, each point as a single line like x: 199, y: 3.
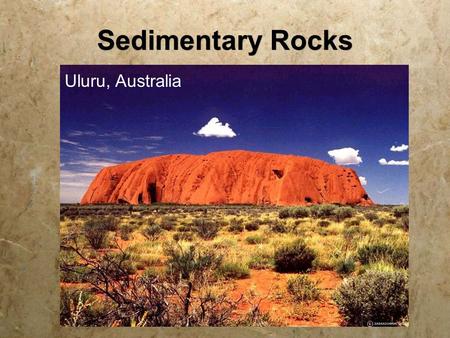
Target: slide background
x: 37, y: 36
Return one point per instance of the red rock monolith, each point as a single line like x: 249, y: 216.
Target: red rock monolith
x: 227, y: 177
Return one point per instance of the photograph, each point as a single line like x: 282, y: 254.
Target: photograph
x: 234, y: 195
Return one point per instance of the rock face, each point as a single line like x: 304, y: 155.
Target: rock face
x: 228, y: 177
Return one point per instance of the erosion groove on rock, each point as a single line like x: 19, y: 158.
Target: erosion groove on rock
x: 227, y: 177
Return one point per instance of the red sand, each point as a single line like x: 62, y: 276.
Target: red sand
x: 271, y: 286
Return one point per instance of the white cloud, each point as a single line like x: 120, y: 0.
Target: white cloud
x: 73, y: 184
x: 363, y: 180
x: 73, y: 174
x: 215, y: 128
x: 345, y: 156
x: 82, y: 133
x: 69, y: 142
x: 403, y: 147
x: 94, y: 163
x: 383, y: 161
x: 149, y: 138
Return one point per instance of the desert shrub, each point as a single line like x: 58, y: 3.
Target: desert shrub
x: 390, y: 220
x: 323, y: 223
x: 400, y: 211
x: 352, y: 222
x: 183, y: 236
x: 294, y: 257
x: 295, y: 212
x: 350, y: 232
x: 110, y: 223
x: 344, y: 265
x: 371, y: 216
x: 314, y: 210
x: 302, y: 288
x: 255, y: 239
x: 168, y: 223
x: 186, y: 227
x: 152, y: 232
x: 235, y: 227
x: 404, y: 222
x: 206, y: 229
x: 191, y: 262
x: 224, y: 243
x: 252, y: 226
x: 79, y: 308
x: 236, y: 221
x: 326, y: 210
x: 373, y: 296
x: 380, y: 251
x: 233, y: 270
x: 125, y: 231
x: 278, y: 227
x: 154, y: 300
x: 96, y: 233
x: 261, y: 260
x: 300, y: 212
x: 150, y: 273
x: 343, y: 213
x: 74, y: 274
x: 119, y: 265
x: 284, y: 213
x: 377, y: 266
x: 379, y: 222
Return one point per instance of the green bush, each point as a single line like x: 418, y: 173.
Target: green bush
x: 192, y: 262
x: 344, y: 213
x: 295, y: 212
x: 255, y: 239
x: 261, y: 260
x: 206, y: 229
x: 152, y: 232
x: 232, y: 270
x: 326, y: 210
x: 294, y: 257
x: 400, y: 211
x: 397, y: 255
x: 373, y: 297
x: 344, y: 265
x: 303, y: 289
x: 300, y: 212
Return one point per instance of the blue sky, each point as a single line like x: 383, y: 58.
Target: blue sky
x: 301, y: 110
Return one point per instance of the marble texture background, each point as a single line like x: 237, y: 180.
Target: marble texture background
x: 37, y: 36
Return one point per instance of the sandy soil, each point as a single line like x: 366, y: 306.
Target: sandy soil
x: 270, y: 286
